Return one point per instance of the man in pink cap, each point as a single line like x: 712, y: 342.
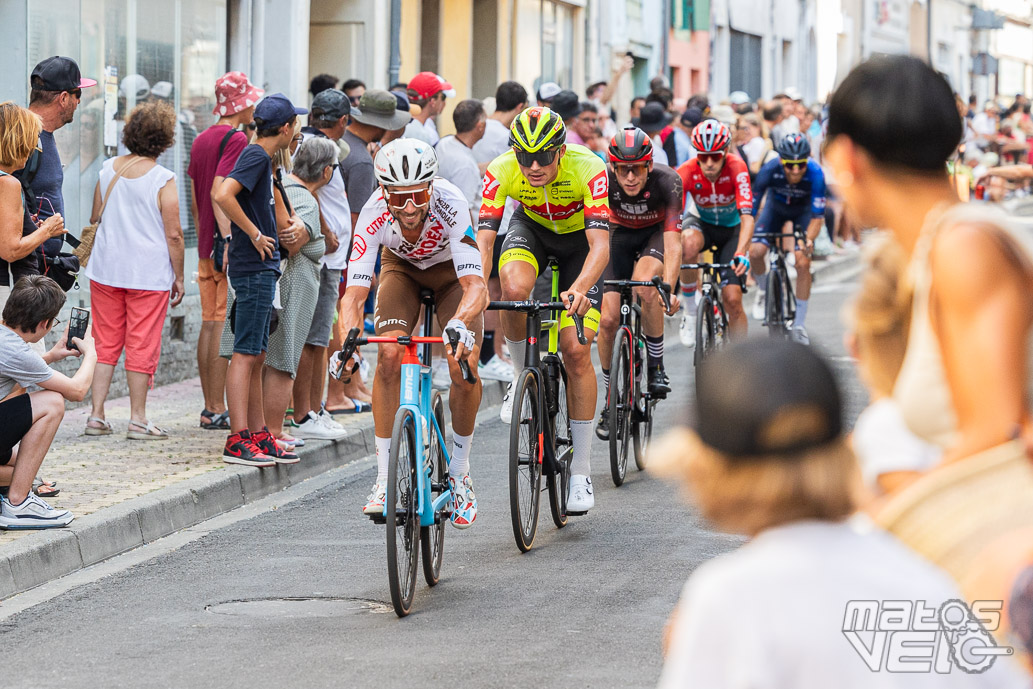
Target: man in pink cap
x: 427, y: 90
x: 212, y: 157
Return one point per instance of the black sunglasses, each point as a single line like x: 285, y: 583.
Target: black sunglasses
x: 543, y: 158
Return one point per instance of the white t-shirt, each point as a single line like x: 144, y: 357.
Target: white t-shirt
x: 337, y: 214
x: 770, y: 615
x: 883, y: 443
x: 755, y: 149
x: 447, y: 235
x: 415, y: 130
x: 494, y: 143
x: 659, y: 154
x: 457, y: 164
x: 130, y: 250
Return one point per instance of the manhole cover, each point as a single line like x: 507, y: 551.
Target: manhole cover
x: 298, y: 607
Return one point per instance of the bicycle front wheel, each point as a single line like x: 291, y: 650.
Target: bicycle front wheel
x: 525, y: 460
x: 775, y: 307
x: 621, y: 402
x: 643, y: 433
x: 558, y: 483
x: 403, y: 521
x: 432, y: 538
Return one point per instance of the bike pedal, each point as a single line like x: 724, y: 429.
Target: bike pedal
x: 377, y: 518
x: 576, y: 514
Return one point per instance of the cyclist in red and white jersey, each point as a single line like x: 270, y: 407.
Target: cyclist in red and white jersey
x: 719, y: 212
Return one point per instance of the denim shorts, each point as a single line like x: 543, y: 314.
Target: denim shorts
x: 252, y: 311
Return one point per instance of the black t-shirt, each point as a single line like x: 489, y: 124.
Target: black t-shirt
x: 254, y: 172
x: 657, y: 206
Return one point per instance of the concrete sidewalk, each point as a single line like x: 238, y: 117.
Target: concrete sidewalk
x: 125, y: 493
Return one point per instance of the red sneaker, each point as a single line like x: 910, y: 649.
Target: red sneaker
x: 241, y: 449
x: 267, y: 445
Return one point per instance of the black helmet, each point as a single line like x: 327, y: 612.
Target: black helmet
x: 793, y: 147
x: 630, y: 145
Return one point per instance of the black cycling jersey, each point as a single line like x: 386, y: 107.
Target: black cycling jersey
x: 658, y: 204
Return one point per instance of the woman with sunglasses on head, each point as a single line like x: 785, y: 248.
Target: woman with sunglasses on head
x: 795, y: 189
x: 563, y: 192
x: 645, y: 242
x: 19, y: 140
x: 719, y: 212
x: 422, y: 222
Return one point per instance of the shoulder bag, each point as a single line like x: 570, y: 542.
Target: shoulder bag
x: 89, y: 233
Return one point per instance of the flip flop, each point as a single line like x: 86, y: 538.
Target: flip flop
x: 150, y: 432
x: 359, y: 408
x: 105, y: 427
x: 45, y: 489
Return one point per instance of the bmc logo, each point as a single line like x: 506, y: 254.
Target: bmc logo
x: 469, y: 266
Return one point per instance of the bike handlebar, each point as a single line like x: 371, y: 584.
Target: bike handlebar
x: 662, y: 287
x: 453, y: 339
x: 533, y: 306
x: 353, y: 341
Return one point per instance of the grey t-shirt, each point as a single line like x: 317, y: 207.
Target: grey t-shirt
x: 19, y: 365
x: 357, y: 171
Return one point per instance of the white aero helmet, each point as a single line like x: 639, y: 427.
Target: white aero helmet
x: 404, y: 162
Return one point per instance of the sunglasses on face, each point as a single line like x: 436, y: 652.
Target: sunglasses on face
x: 794, y: 164
x: 77, y: 93
x: 543, y: 158
x: 710, y: 157
x: 636, y: 169
x: 399, y: 199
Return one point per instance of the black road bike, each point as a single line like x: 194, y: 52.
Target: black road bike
x: 780, y: 302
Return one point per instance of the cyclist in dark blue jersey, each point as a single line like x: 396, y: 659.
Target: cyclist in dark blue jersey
x: 795, y: 189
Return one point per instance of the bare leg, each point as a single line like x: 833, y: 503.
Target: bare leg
x: 277, y: 388
x: 211, y: 366
x: 385, y: 385
x: 48, y: 409
x: 101, y: 384
x: 608, y: 327
x: 138, y: 384
x: 255, y: 404
x: 581, y: 385
x: 464, y: 397
x: 731, y: 296
x: 303, y: 397
x: 238, y: 386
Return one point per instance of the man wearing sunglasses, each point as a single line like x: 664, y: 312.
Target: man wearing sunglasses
x: 564, y: 212
x: 719, y: 212
x: 422, y: 223
x: 795, y: 189
x: 645, y: 242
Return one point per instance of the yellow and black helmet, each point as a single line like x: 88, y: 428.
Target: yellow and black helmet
x: 537, y: 129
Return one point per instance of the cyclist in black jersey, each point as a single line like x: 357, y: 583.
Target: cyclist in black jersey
x: 645, y: 241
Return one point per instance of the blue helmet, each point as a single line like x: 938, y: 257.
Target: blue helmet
x: 794, y: 147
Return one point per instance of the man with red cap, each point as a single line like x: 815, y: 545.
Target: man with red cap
x: 427, y: 90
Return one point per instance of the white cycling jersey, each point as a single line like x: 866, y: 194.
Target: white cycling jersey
x: 447, y: 235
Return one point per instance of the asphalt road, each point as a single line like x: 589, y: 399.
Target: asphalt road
x: 585, y: 608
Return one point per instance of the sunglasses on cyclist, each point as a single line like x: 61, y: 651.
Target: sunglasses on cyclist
x: 794, y: 164
x: 398, y: 199
x: 710, y: 157
x: 635, y: 169
x: 543, y: 158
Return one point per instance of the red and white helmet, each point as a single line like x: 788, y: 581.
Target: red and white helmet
x: 710, y: 136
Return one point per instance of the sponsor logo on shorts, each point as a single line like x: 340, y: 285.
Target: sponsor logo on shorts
x: 393, y: 321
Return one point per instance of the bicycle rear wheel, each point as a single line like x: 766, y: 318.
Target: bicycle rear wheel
x: 525, y: 460
x: 563, y: 448
x: 403, y: 522
x: 775, y: 307
x: 621, y: 404
x: 704, y: 328
x: 642, y: 432
x: 432, y: 538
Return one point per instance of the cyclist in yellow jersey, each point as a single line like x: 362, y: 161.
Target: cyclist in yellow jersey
x: 564, y: 195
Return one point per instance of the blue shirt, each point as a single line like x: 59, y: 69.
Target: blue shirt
x: 790, y: 199
x: 254, y: 172
x: 47, y: 185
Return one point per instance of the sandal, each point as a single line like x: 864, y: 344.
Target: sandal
x: 359, y: 408
x: 149, y: 432
x: 103, y: 429
x: 44, y: 489
x: 216, y: 422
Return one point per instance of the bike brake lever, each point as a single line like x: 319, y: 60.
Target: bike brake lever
x: 664, y: 289
x: 347, y: 349
x: 579, y: 325
x: 453, y: 339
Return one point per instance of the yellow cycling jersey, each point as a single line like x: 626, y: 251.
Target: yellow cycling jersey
x: 577, y: 199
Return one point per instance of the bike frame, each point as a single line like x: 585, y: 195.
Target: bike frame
x: 777, y: 262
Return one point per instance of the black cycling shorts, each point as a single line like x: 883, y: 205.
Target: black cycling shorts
x: 627, y: 246
x: 723, y: 241
x: 15, y: 422
x: 529, y: 242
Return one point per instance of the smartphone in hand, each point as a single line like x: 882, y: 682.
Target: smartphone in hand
x: 77, y: 325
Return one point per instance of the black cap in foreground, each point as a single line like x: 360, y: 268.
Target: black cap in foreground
x: 764, y: 397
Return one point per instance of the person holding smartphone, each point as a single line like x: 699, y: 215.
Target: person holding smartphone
x: 30, y: 420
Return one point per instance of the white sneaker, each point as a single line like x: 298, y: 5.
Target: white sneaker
x: 327, y: 419
x: 506, y: 412
x: 364, y: 370
x: 759, y: 307
x: 464, y: 502
x: 580, y: 498
x: 496, y: 369
x: 799, y: 334
x: 314, y: 428
x: 687, y: 329
x: 375, y: 501
x: 33, y: 513
x: 441, y: 379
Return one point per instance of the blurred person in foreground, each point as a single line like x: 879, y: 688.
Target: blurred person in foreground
x: 778, y: 469
x: 965, y: 381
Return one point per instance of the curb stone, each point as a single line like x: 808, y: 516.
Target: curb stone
x: 47, y: 555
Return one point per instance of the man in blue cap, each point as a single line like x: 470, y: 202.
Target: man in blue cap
x: 246, y: 197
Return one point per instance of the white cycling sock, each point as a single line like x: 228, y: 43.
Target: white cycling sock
x: 801, y: 313
x: 516, y: 352
x: 581, y: 437
x: 383, y: 446
x: 460, y: 461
